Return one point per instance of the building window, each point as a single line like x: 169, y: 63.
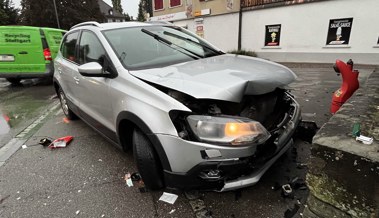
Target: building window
x: 158, y: 5
x: 175, y: 3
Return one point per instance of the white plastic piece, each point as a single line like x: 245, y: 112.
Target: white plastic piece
x: 168, y: 198
x: 24, y: 146
x: 365, y: 140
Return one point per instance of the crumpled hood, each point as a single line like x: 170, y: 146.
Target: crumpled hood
x: 225, y: 77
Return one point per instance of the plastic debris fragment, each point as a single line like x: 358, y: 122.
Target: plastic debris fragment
x: 61, y: 142
x: 365, y: 140
x: 168, y: 197
x: 128, y: 180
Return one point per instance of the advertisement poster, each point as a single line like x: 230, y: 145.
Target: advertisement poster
x: 272, y: 35
x: 200, y: 31
x: 339, y: 31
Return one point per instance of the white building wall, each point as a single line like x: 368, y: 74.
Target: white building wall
x: 221, y: 30
x: 304, y: 29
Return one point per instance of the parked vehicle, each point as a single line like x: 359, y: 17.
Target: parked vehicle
x: 27, y: 52
x: 194, y: 116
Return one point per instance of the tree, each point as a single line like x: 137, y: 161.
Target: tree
x: 42, y: 13
x: 127, y: 17
x: 144, y: 8
x: 8, y: 14
x: 117, y: 5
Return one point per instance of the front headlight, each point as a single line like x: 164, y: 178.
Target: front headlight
x: 225, y: 130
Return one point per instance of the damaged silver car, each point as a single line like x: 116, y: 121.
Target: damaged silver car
x: 194, y: 117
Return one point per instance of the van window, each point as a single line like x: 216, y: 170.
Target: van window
x: 90, y: 49
x: 68, y: 46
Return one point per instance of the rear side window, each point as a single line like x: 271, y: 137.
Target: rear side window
x: 90, y: 49
x: 68, y: 46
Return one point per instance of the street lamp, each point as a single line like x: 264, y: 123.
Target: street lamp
x: 56, y: 14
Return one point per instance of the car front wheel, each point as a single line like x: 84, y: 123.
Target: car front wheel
x: 66, y: 110
x: 147, y: 161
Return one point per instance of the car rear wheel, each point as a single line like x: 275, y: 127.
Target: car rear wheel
x: 14, y: 81
x: 66, y: 110
x: 147, y: 161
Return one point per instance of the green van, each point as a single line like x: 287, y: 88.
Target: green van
x: 27, y: 52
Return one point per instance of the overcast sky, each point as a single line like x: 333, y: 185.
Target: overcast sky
x: 129, y: 6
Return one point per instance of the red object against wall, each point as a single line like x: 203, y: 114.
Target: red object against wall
x: 158, y: 4
x: 349, y: 85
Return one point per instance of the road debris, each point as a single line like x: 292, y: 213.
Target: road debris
x: 365, y: 140
x: 61, y: 142
x: 128, y: 180
x: 4, y: 198
x: 289, y: 213
x: 136, y: 177
x: 66, y: 120
x: 24, y: 146
x: 45, y: 142
x: 172, y: 211
x: 356, y: 129
x: 168, y: 197
x: 77, y: 212
x: 287, y: 191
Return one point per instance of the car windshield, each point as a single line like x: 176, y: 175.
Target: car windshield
x: 157, y: 46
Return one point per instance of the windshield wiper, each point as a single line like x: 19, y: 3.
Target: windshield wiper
x: 171, y: 44
x: 190, y: 40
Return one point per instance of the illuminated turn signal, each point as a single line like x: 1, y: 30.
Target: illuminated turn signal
x: 237, y: 129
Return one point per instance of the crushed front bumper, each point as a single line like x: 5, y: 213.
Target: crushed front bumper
x: 232, y: 168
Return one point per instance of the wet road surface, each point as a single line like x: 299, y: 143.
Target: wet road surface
x: 20, y: 105
x: 86, y: 178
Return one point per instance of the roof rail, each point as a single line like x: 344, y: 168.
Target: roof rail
x: 89, y: 23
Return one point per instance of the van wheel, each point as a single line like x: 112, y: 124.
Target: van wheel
x: 14, y: 81
x: 66, y: 110
x: 147, y: 160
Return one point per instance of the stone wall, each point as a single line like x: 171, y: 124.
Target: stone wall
x: 343, y: 175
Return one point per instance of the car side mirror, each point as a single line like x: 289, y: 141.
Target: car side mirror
x: 92, y: 69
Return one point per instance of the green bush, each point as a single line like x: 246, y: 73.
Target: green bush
x: 243, y: 52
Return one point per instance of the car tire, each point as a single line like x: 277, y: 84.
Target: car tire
x: 66, y: 110
x: 147, y: 160
x: 14, y: 81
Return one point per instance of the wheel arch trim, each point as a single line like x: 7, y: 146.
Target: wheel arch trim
x: 138, y: 122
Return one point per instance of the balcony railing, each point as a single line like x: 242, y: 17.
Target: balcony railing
x: 253, y: 3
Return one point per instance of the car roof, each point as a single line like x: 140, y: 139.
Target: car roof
x: 116, y: 25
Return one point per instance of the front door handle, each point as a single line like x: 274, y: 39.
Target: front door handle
x: 76, y: 80
x: 23, y: 52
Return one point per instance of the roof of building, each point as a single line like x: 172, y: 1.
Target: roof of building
x: 108, y: 10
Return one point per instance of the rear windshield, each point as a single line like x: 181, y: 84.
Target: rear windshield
x: 157, y: 46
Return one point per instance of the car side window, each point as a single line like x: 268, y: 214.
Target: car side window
x: 90, y: 49
x: 68, y: 46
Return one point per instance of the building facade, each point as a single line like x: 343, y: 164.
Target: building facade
x: 318, y: 31
x: 110, y: 14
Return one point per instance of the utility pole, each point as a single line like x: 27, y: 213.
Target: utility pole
x: 56, y: 14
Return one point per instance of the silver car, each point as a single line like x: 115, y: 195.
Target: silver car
x: 194, y: 117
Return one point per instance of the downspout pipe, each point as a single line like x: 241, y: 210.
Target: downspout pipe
x: 240, y: 26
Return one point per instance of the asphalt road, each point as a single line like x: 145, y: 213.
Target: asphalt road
x: 86, y: 179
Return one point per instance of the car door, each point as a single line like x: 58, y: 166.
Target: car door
x: 66, y: 67
x: 95, y: 102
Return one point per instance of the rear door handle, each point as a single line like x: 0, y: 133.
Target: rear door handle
x: 76, y: 80
x: 23, y: 52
